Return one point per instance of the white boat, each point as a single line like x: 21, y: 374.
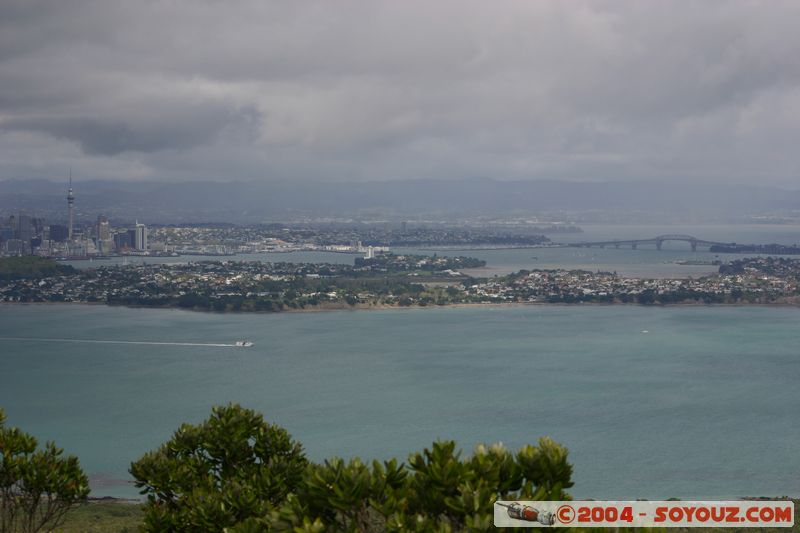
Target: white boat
x: 243, y: 344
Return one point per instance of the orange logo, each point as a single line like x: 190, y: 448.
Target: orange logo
x: 565, y: 514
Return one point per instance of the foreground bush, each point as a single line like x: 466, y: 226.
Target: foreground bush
x: 37, y: 488
x: 236, y: 473
x: 232, y: 467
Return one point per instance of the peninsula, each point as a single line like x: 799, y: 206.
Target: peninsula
x: 386, y: 280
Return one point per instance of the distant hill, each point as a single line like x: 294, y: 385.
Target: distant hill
x: 247, y: 202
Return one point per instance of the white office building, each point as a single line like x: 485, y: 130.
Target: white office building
x: 140, y: 237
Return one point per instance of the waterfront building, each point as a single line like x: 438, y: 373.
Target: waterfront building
x: 77, y: 248
x: 140, y: 237
x: 122, y: 240
x: 102, y: 229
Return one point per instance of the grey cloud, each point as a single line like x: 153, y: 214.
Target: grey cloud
x: 169, y: 130
x: 253, y: 89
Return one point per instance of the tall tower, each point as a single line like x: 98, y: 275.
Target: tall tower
x: 70, y: 205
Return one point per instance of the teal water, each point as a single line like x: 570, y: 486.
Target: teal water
x: 703, y: 405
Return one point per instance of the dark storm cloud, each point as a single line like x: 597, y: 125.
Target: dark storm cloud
x: 171, y: 129
x: 253, y: 89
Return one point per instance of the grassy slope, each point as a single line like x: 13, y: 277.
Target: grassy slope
x: 103, y: 517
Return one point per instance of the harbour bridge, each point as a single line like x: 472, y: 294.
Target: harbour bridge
x: 694, y: 242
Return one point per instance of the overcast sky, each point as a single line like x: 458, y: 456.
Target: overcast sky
x: 375, y: 90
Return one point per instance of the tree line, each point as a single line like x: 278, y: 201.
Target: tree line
x: 237, y: 473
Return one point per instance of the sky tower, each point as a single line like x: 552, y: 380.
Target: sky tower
x: 70, y: 204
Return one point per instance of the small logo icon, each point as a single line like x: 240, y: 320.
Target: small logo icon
x: 565, y: 514
x: 528, y: 513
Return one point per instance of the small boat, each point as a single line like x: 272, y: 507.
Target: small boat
x: 243, y: 344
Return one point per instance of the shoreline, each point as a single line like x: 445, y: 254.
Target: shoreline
x: 459, y: 305
x: 137, y: 501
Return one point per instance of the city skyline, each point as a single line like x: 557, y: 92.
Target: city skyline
x: 24, y: 234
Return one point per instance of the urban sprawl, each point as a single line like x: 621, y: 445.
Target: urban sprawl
x: 29, y: 273
x: 22, y: 234
x: 384, y: 280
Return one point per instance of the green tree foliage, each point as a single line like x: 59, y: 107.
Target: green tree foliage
x: 31, y: 267
x: 217, y: 474
x: 37, y: 487
x: 211, y: 478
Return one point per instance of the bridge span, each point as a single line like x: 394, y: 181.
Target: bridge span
x: 658, y: 241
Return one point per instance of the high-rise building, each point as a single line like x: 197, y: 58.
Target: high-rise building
x: 25, y: 232
x: 58, y: 233
x: 39, y: 225
x: 6, y: 234
x: 140, y: 242
x: 102, y: 229
x: 24, y: 227
x: 15, y: 247
x: 102, y: 233
x: 122, y: 240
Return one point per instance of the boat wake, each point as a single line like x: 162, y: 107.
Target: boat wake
x: 148, y: 343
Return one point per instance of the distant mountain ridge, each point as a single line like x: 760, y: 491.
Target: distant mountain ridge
x: 247, y: 202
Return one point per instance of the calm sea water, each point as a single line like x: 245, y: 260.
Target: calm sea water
x: 691, y: 402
